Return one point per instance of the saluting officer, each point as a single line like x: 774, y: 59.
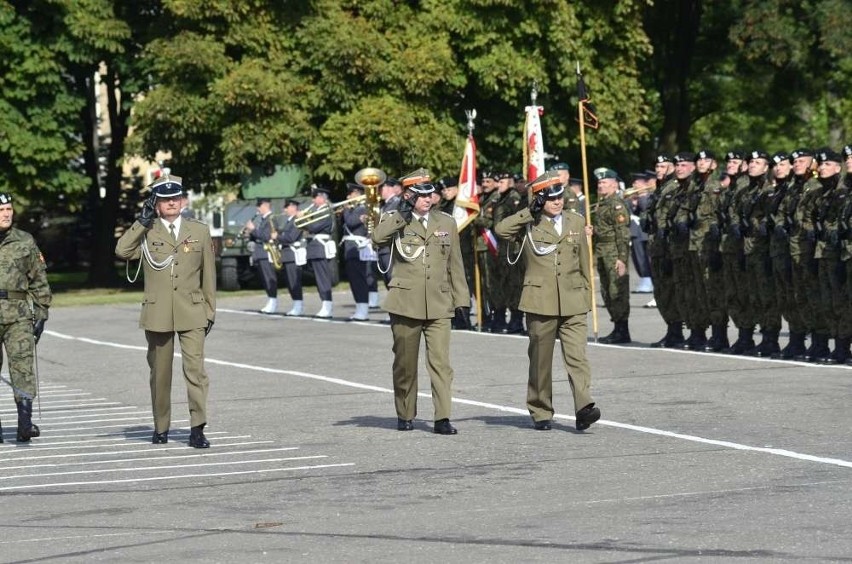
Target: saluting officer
x: 180, y: 297
x: 427, y: 288
x: 23, y: 279
x: 556, y: 298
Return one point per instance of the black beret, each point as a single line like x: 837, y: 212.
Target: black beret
x: 827, y: 154
x: 734, y: 155
x: 758, y: 154
x: 801, y: 153
x: 664, y: 158
x: 560, y: 166
x: 847, y: 151
x: 5, y: 198
x: 684, y: 156
x: 780, y: 156
x: 705, y: 154
x: 449, y: 182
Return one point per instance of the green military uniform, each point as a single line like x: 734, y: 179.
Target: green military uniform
x: 705, y: 236
x: 180, y: 297
x: 486, y: 261
x: 428, y: 284
x: 23, y: 285
x: 506, y: 290
x: 556, y: 298
x: 612, y: 242
x: 734, y: 267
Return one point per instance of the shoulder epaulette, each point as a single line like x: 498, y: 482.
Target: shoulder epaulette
x: 446, y: 214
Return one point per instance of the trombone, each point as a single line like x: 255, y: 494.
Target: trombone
x: 324, y: 212
x: 630, y: 192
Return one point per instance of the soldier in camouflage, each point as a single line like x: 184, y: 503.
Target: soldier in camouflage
x: 506, y: 285
x: 483, y: 224
x: 612, y: 250
x: 846, y: 232
x: 24, y: 300
x: 678, y: 237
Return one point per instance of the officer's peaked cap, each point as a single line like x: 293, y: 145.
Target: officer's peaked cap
x: 167, y: 186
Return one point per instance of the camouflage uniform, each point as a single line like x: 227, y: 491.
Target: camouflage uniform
x: 653, y: 223
x: 508, y: 278
x: 23, y: 277
x: 733, y: 265
x: 835, y: 306
x: 707, y: 260
x: 677, y: 228
x: 800, y: 215
x: 611, y: 243
x: 485, y: 260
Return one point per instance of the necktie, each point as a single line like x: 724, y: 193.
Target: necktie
x: 422, y: 221
x: 172, y: 231
x: 557, y: 225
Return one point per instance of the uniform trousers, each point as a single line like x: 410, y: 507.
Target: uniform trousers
x: 268, y: 277
x: 782, y: 273
x: 358, y: 273
x: 17, y: 339
x: 761, y: 287
x: 322, y: 273
x: 161, y: 349
x: 806, y: 291
x: 639, y: 253
x: 737, y: 290
x: 615, y: 289
x: 294, y: 280
x: 662, y: 274
x: 572, y: 333
x: 406, y: 349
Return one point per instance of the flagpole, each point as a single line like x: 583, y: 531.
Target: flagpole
x: 581, y: 106
x: 477, y: 292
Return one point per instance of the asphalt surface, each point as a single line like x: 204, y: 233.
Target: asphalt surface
x: 698, y: 457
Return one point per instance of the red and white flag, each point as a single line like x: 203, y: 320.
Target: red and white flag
x: 533, y: 143
x: 467, y: 197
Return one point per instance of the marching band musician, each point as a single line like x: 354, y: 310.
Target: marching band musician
x: 358, y: 271
x: 293, y: 255
x: 261, y: 233
x: 556, y: 297
x: 322, y: 248
x: 427, y: 288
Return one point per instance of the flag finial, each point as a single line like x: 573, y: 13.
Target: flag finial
x: 471, y: 115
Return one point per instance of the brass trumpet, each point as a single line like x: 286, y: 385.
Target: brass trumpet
x: 324, y: 212
x: 630, y: 192
x: 370, y: 179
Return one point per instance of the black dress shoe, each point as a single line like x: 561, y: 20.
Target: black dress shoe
x: 160, y: 438
x: 543, y: 425
x: 197, y: 438
x: 587, y: 416
x: 443, y: 427
x: 404, y: 425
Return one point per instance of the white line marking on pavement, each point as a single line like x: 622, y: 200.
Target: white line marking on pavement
x: 160, y: 478
x: 503, y: 408
x: 142, y: 446
x: 166, y: 467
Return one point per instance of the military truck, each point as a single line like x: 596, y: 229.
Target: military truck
x: 234, y: 265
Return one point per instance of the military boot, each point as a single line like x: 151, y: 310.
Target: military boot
x: 795, y: 347
x: 808, y: 354
x: 516, y: 322
x: 718, y: 340
x: 697, y: 340
x: 26, y: 428
x: 840, y: 354
x: 821, y: 352
x: 620, y: 335
x: 768, y: 346
x: 676, y: 339
x: 498, y: 324
x: 744, y: 342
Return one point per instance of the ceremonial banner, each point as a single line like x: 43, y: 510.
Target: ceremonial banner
x: 533, y: 143
x: 467, y: 197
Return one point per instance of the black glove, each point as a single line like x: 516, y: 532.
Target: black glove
x: 462, y: 318
x: 405, y: 208
x: 538, y: 202
x: 209, y: 327
x: 148, y: 213
x: 38, y: 328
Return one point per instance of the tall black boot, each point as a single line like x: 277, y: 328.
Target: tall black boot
x: 744, y: 342
x: 26, y: 428
x: 769, y: 345
x: 821, y: 352
x: 676, y: 339
x: 718, y: 340
x: 840, y: 354
x: 808, y: 354
x: 697, y: 340
x: 795, y: 347
x: 498, y: 323
x: 620, y: 334
x: 516, y: 322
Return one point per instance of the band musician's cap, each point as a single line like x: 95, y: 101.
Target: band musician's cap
x: 827, y: 154
x: 604, y: 173
x: 167, y: 186
x: 803, y: 152
x: 418, y: 181
x: 5, y: 198
x: 352, y: 187
x: 758, y: 154
x: 779, y: 157
x: 291, y: 202
x: 261, y: 201
x: 391, y: 181
x: 548, y: 182
x: 321, y: 190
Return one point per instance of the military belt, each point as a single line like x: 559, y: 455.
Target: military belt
x: 12, y: 295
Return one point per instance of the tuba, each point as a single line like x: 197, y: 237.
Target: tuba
x: 370, y: 179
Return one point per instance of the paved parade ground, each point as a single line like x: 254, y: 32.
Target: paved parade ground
x: 697, y: 458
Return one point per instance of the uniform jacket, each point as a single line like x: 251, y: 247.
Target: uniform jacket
x: 324, y: 228
x: 22, y: 269
x: 353, y: 227
x: 262, y: 234
x: 289, y: 237
x: 391, y: 205
x: 432, y: 285
x: 557, y: 283
x: 182, y: 296
x: 612, y: 228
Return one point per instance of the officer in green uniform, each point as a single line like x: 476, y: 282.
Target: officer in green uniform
x: 24, y: 300
x: 611, y: 225
x: 835, y: 308
x: 653, y: 222
x: 427, y: 288
x: 180, y: 298
x: 801, y: 210
x: 556, y: 298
